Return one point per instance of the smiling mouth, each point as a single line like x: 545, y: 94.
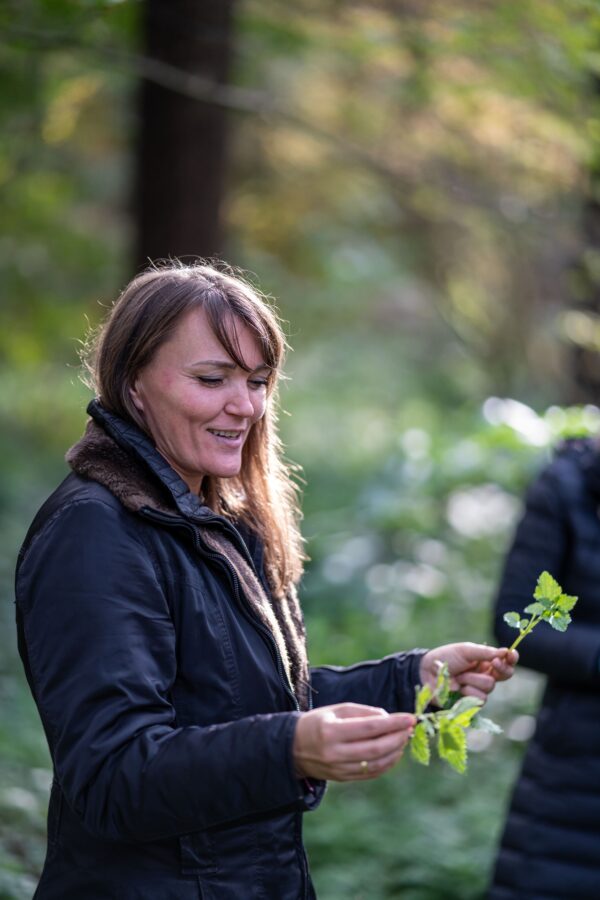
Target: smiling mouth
x: 232, y: 435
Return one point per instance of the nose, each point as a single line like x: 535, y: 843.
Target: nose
x: 239, y: 402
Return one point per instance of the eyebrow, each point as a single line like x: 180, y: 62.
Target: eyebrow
x: 220, y: 364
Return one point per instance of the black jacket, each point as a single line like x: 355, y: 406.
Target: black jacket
x: 550, y: 848
x: 167, y: 711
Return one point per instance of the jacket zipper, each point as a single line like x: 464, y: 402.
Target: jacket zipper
x: 165, y: 519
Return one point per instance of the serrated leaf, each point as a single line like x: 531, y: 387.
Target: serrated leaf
x: 560, y: 621
x: 565, y: 603
x: 422, y: 698
x: 452, y: 745
x: 480, y: 723
x: 465, y: 704
x: 513, y: 619
x: 547, y: 588
x: 465, y: 719
x: 535, y: 609
x: 419, y: 745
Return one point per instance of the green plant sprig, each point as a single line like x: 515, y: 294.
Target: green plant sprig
x: 551, y: 605
x: 448, y: 725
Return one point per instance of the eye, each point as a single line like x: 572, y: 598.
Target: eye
x: 258, y: 383
x: 210, y: 381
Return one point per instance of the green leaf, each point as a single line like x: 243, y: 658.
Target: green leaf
x: 463, y: 711
x: 560, y: 621
x: 465, y: 718
x: 423, y: 696
x: 452, y: 745
x: 480, y: 723
x: 524, y: 623
x: 546, y: 604
x: 566, y: 603
x: 442, y: 684
x: 466, y: 703
x: 535, y: 609
x: 419, y: 745
x: 547, y: 588
x: 513, y: 619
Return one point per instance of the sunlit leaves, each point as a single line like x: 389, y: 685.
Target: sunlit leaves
x: 452, y: 744
x: 547, y: 589
x: 551, y: 605
x: 423, y: 696
x: 449, y: 726
x: 419, y: 745
x: 513, y: 619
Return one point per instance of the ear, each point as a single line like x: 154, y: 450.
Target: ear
x: 136, y: 395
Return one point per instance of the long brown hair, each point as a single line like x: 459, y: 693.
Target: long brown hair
x: 264, y: 495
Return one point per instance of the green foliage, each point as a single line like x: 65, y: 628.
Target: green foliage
x: 448, y: 724
x: 419, y: 744
x: 551, y: 605
x: 401, y: 260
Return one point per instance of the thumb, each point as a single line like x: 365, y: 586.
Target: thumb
x: 356, y: 710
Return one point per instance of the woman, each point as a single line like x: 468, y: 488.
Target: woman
x: 550, y: 846
x: 160, y: 629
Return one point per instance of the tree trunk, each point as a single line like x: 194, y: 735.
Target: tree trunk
x: 182, y: 142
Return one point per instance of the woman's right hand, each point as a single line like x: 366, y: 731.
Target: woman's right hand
x: 349, y: 742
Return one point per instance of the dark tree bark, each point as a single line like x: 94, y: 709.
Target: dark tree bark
x: 182, y: 142
x: 585, y: 297
x: 585, y: 284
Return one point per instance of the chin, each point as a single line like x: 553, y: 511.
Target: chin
x: 227, y: 470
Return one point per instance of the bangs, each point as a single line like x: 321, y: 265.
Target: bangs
x: 224, y: 310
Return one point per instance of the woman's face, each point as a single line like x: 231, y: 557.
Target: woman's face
x: 198, y: 405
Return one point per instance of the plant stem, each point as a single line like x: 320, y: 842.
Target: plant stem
x: 533, y: 622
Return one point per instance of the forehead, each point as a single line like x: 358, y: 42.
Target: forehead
x: 193, y: 340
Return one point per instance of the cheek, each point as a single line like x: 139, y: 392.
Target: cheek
x: 260, y: 406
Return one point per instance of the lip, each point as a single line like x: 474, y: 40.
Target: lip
x: 228, y: 437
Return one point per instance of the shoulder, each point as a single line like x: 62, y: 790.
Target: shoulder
x: 576, y: 463
x: 78, y: 509
x: 570, y: 476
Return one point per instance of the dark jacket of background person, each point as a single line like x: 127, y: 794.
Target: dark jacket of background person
x: 551, y: 843
x: 167, y: 710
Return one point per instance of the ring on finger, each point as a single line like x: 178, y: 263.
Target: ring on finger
x: 364, y: 766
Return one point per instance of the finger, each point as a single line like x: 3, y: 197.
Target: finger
x: 481, y: 652
x: 469, y: 691
x: 357, y: 710
x: 345, y: 730
x: 373, y: 749
x: 504, y: 668
x: 381, y: 765
x: 479, y: 680
x: 355, y: 771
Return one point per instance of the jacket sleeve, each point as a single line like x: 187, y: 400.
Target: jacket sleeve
x: 541, y: 543
x: 99, y: 648
x: 388, y: 683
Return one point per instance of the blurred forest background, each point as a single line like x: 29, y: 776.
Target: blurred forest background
x: 418, y: 186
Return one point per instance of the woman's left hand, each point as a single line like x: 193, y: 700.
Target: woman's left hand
x: 474, y: 668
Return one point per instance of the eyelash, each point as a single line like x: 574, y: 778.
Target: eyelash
x: 215, y: 382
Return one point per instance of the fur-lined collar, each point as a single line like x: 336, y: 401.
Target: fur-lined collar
x: 125, y: 471
x: 100, y: 458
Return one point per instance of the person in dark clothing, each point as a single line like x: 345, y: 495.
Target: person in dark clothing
x: 160, y: 629
x: 550, y: 847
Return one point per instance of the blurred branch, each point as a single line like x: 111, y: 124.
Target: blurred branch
x: 233, y: 98
x: 239, y: 100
